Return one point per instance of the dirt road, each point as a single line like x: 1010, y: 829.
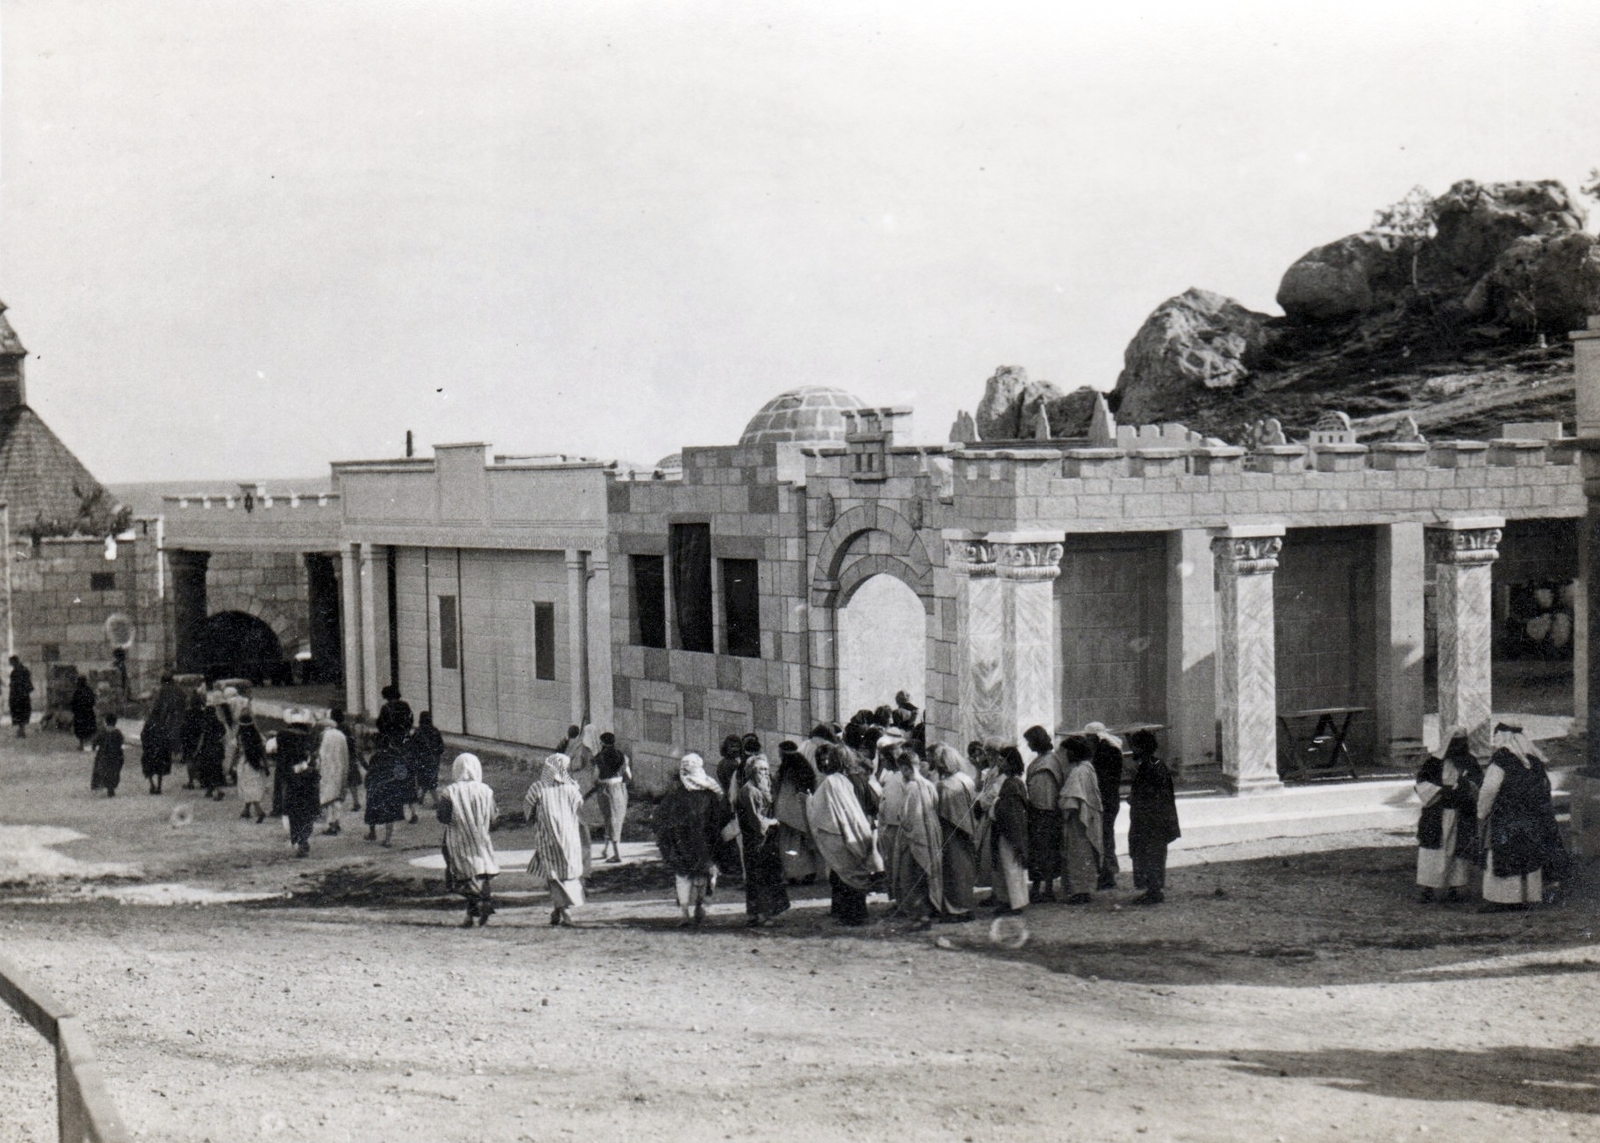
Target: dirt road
x: 1298, y: 995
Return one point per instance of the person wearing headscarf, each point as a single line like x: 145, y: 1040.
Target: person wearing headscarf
x: 917, y: 862
x: 107, y: 758
x: 891, y: 808
x: 333, y: 766
x: 957, y: 797
x: 424, y: 750
x: 1447, y: 825
x: 764, y: 894
x: 1008, y: 832
x: 552, y: 805
x: 1043, y: 780
x: 232, y: 706
x: 195, y: 717
x: 1108, y: 773
x: 212, y: 748
x: 84, y: 723
x: 797, y: 778
x: 1521, y: 840
x: 1081, y: 829
x: 253, y: 770
x: 467, y: 812
x: 389, y: 787
x: 613, y: 774
x: 843, y: 835
x: 1152, y: 819
x: 689, y: 824
x: 162, y: 733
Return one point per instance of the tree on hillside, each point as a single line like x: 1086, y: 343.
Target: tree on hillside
x: 1592, y: 187
x: 1410, y: 222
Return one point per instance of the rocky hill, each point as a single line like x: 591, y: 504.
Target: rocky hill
x: 1456, y: 315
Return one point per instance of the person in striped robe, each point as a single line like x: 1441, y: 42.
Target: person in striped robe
x: 466, y: 809
x: 552, y: 805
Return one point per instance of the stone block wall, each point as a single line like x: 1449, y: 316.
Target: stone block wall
x: 272, y: 586
x: 667, y: 700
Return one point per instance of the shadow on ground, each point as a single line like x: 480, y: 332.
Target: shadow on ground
x: 1563, y: 1080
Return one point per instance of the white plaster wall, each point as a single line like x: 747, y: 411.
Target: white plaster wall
x: 882, y: 646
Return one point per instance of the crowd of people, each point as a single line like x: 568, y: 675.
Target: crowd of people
x: 1497, y: 820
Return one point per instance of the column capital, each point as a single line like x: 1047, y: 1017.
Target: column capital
x: 1467, y: 542
x: 1248, y: 549
x: 1027, y: 560
x: 969, y: 555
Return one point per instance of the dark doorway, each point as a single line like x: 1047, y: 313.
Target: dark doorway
x: 233, y: 644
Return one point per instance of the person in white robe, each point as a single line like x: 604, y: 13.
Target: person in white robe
x: 333, y: 765
x: 467, y: 810
x: 553, y: 803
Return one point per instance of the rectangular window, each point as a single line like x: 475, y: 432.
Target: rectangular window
x: 741, y: 608
x: 658, y: 720
x: 544, y: 640
x: 102, y: 581
x: 449, y: 634
x: 649, y: 600
x: 690, y: 546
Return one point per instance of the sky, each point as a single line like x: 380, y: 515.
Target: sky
x: 250, y: 238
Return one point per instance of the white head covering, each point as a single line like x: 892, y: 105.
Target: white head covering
x: 1098, y: 729
x: 692, y: 773
x: 556, y: 769
x: 466, y: 768
x: 1512, y: 738
x: 297, y: 716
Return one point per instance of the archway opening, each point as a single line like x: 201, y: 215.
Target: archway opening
x: 234, y: 644
x: 882, y: 644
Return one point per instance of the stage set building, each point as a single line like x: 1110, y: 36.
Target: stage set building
x: 1143, y: 575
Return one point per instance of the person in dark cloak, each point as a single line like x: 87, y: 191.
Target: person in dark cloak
x: 302, y: 785
x: 162, y: 734
x: 20, y: 696
x: 210, y: 752
x: 394, y: 717
x: 1152, y: 818
x: 689, y: 822
x: 389, y: 785
x: 730, y: 759
x: 195, y: 716
x: 424, y: 750
x: 84, y: 723
x: 764, y: 894
x: 1008, y: 834
x: 1523, y: 853
x: 1043, y: 780
x: 254, y: 771
x: 1447, y: 825
x: 107, y: 758
x: 1108, y: 772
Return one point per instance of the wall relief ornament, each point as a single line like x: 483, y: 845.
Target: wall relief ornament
x: 1037, y: 561
x: 1247, y: 555
x: 969, y: 557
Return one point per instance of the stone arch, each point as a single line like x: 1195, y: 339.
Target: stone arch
x: 841, y: 567
x: 288, y: 631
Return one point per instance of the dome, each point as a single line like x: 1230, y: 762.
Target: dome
x: 810, y: 413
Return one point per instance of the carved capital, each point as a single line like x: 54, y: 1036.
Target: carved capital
x: 1468, y: 547
x: 969, y: 557
x: 1028, y: 561
x: 1247, y: 555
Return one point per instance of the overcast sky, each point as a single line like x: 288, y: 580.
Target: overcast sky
x: 247, y: 238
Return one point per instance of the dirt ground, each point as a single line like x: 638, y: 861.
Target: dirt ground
x: 1290, y: 990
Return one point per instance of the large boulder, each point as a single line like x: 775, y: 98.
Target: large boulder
x: 1010, y: 403
x: 1197, y: 340
x: 1477, y: 222
x: 1547, y: 283
x: 1354, y: 275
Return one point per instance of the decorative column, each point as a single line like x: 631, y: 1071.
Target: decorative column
x: 1191, y: 649
x: 597, y: 603
x: 1026, y: 565
x: 979, y: 671
x: 1247, y: 690
x: 350, y: 622
x: 1462, y: 551
x: 577, y: 637
x: 1398, y: 579
x: 1586, y: 655
x: 371, y: 699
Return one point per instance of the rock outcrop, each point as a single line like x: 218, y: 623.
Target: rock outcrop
x: 1012, y: 403
x: 1197, y: 339
x: 1463, y: 327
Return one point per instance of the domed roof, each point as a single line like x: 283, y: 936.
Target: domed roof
x: 810, y: 413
